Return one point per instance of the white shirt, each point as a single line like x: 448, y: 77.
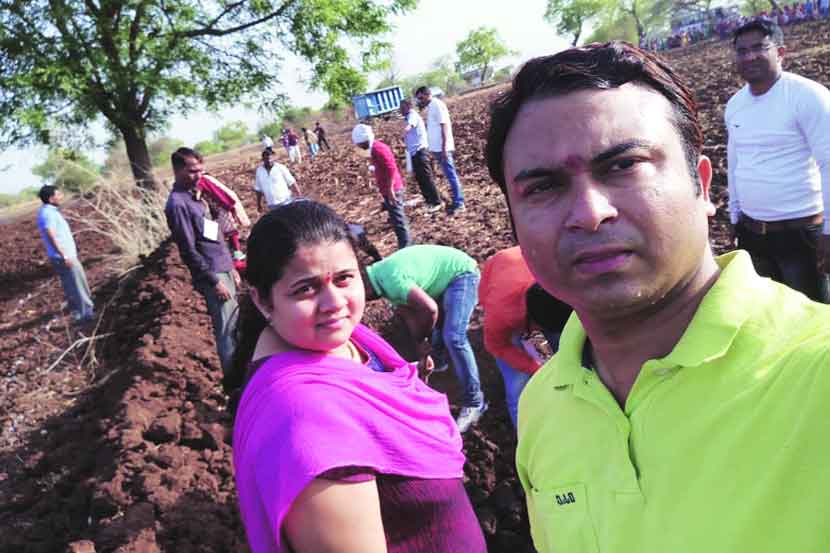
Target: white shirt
x: 267, y: 142
x: 437, y: 114
x: 779, y: 151
x: 416, y: 133
x: 274, y: 184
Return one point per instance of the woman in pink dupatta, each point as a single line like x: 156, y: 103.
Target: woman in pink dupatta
x: 338, y: 445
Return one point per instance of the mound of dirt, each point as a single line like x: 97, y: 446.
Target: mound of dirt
x: 123, y: 445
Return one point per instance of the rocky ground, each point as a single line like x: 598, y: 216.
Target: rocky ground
x: 121, y: 443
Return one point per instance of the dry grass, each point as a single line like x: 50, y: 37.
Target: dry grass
x: 131, y: 217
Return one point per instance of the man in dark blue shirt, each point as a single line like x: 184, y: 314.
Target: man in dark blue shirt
x: 203, y: 249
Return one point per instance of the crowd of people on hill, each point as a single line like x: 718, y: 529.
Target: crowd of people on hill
x: 686, y: 390
x: 725, y: 23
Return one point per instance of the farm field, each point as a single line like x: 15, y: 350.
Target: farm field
x: 123, y: 444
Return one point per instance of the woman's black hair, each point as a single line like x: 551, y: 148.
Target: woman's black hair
x: 274, y: 240
x: 546, y: 311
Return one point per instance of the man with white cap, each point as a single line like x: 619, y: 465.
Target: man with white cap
x: 388, y: 179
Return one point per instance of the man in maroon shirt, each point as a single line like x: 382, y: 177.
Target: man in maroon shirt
x: 388, y: 179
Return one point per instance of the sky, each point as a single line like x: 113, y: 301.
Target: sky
x: 421, y: 36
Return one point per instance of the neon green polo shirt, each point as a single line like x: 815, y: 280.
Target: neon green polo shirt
x: 723, y: 445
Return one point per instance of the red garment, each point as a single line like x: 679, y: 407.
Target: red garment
x: 505, y: 279
x: 387, y: 176
x: 217, y: 194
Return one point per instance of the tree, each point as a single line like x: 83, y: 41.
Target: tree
x: 571, y: 16
x: 647, y: 15
x: 135, y: 62
x: 480, y: 49
x: 68, y: 169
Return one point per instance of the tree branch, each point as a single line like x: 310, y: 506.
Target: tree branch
x: 210, y: 31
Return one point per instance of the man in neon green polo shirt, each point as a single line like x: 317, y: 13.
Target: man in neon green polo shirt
x: 423, y: 281
x: 686, y: 410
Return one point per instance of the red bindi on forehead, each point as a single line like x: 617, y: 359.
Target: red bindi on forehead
x: 576, y: 164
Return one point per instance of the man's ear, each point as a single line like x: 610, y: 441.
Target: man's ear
x: 704, y: 175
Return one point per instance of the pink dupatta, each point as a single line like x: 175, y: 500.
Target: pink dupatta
x: 304, y: 413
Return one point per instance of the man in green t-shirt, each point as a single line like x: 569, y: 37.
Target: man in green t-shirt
x: 425, y: 281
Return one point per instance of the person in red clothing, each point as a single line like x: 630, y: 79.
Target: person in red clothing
x: 505, y: 295
x: 388, y: 179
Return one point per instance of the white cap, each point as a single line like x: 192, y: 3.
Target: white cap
x: 362, y: 133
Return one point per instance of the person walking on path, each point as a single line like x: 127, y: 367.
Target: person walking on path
x: 337, y: 444
x: 321, y: 136
x: 274, y: 183
x: 681, y: 374
x: 388, y: 179
x: 295, y: 155
x: 310, y: 141
x: 435, y: 289
x: 203, y: 249
x: 417, y: 149
x: 63, y: 254
x: 441, y: 143
x: 778, y: 154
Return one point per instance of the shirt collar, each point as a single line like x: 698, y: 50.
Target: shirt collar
x: 735, y: 295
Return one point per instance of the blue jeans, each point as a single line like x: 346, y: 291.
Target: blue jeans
x: 397, y: 218
x: 514, y: 382
x: 312, y: 150
x: 223, y: 315
x: 448, y: 168
x: 75, y: 288
x: 458, y: 302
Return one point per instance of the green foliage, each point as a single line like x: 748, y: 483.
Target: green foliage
x: 209, y: 147
x: 504, y: 74
x: 26, y: 195
x: 632, y: 19
x: 442, y: 74
x: 161, y: 148
x: 480, y: 50
x: 232, y: 135
x: 68, y: 62
x: 68, y: 169
x: 570, y: 17
x: 750, y: 8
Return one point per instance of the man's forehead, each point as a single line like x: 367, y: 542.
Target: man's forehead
x: 751, y: 37
x: 597, y: 115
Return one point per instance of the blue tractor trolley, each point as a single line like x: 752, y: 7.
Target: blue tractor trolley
x: 377, y: 102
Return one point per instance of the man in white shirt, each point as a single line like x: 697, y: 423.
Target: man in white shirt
x: 779, y: 164
x: 274, y: 182
x: 417, y: 146
x: 441, y: 143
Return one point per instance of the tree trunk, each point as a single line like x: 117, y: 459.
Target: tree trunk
x: 139, y: 156
x: 775, y: 5
x: 577, y: 34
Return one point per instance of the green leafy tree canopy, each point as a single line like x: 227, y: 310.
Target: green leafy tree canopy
x: 136, y: 62
x: 480, y: 50
x: 571, y: 17
x: 68, y: 169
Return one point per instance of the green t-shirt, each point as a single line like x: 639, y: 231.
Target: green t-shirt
x: 722, y: 446
x: 429, y: 267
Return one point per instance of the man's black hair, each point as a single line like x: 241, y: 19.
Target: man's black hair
x: 423, y: 90
x: 46, y: 192
x: 765, y: 27
x: 179, y: 157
